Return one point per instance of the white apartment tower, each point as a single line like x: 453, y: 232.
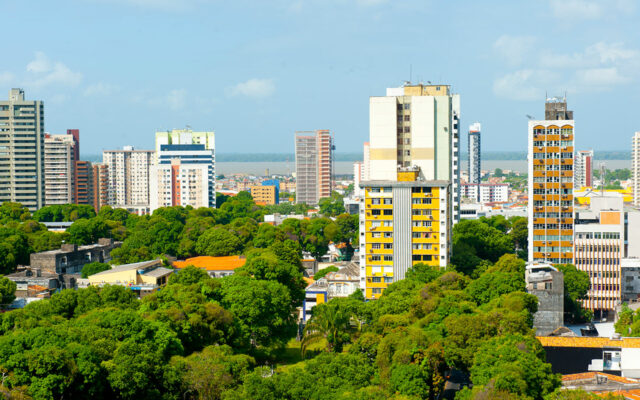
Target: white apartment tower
x: 635, y: 168
x: 584, y: 169
x: 183, y: 176
x: 128, y: 171
x: 59, y: 167
x: 474, y: 153
x: 22, y: 155
x: 314, y: 166
x: 417, y: 126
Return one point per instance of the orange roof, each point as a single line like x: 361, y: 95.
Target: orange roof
x: 591, y: 375
x: 633, y: 394
x: 597, y: 342
x: 228, y: 263
x: 308, y: 281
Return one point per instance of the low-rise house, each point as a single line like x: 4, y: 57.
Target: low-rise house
x: 216, y: 267
x: 142, y: 277
x: 70, y: 258
x: 341, y: 283
x: 33, y: 282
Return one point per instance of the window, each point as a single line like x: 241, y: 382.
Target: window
x: 388, y: 279
x: 376, y: 279
x: 376, y: 290
x: 388, y: 258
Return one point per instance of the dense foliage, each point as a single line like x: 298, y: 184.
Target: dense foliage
x: 233, y: 337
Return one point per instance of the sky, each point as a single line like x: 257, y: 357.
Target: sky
x: 257, y: 71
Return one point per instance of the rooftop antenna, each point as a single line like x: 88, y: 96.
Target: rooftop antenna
x: 410, y: 72
x: 530, y: 117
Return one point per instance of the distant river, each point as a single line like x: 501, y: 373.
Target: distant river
x: 346, y: 167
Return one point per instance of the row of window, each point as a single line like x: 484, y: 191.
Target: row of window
x: 378, y: 279
x: 552, y: 226
x: 378, y: 246
x: 552, y: 191
x: 552, y: 249
x: 552, y: 203
x: 552, y: 156
x: 603, y: 274
x: 377, y: 201
x: 552, y: 131
x: 386, y: 257
x: 553, y: 179
x: 598, y: 235
x: 606, y: 287
x: 553, y: 167
x: 597, y: 261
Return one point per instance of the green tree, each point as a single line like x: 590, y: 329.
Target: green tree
x: 94, y: 268
x: 514, y: 363
x: 474, y: 241
x: 86, y: 231
x: 7, y: 290
x: 321, y: 274
x: 329, y: 322
x: 218, y: 242
x: 576, y: 285
x: 189, y: 276
x: 332, y: 206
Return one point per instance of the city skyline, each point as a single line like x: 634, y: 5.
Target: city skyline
x: 251, y: 60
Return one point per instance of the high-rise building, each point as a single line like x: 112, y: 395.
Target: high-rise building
x: 185, y: 136
x: 75, y: 133
x: 550, y: 209
x: 584, y: 169
x: 83, y: 183
x: 402, y: 222
x: 22, y: 158
x: 314, y: 166
x: 417, y: 126
x: 604, y: 235
x: 358, y: 175
x: 59, y: 169
x: 635, y: 168
x: 474, y: 153
x: 183, y: 176
x: 366, y: 168
x: 100, y: 186
x: 128, y: 172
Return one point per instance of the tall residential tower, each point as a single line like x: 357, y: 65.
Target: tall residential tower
x: 59, y: 169
x: 411, y: 195
x: 550, y: 209
x: 22, y: 155
x: 474, y: 153
x: 417, y: 126
x: 314, y: 166
x: 635, y: 168
x: 128, y: 176
x: 584, y: 169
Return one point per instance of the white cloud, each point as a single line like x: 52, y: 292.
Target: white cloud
x: 101, y: 89
x: 43, y: 72
x: 175, y: 100
x: 514, y: 49
x: 525, y: 84
x: 256, y: 88
x: 599, y: 67
x: 576, y: 9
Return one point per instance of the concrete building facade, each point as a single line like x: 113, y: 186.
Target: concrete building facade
x: 402, y: 223
x: 128, y: 176
x: 314, y: 165
x: 551, y: 180
x: 267, y: 193
x: 547, y: 284
x: 100, y: 186
x: 183, y: 176
x: 605, y: 234
x: 70, y: 258
x: 635, y: 168
x: 59, y: 169
x: 474, y: 153
x: 417, y: 126
x: 485, y: 192
x: 22, y: 159
x: 584, y: 169
x: 83, y: 186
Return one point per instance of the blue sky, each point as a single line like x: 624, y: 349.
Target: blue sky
x: 256, y: 71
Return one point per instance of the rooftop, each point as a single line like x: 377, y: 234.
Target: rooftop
x: 129, y: 267
x: 228, y: 263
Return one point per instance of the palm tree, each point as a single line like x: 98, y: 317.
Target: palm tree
x: 329, y: 322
